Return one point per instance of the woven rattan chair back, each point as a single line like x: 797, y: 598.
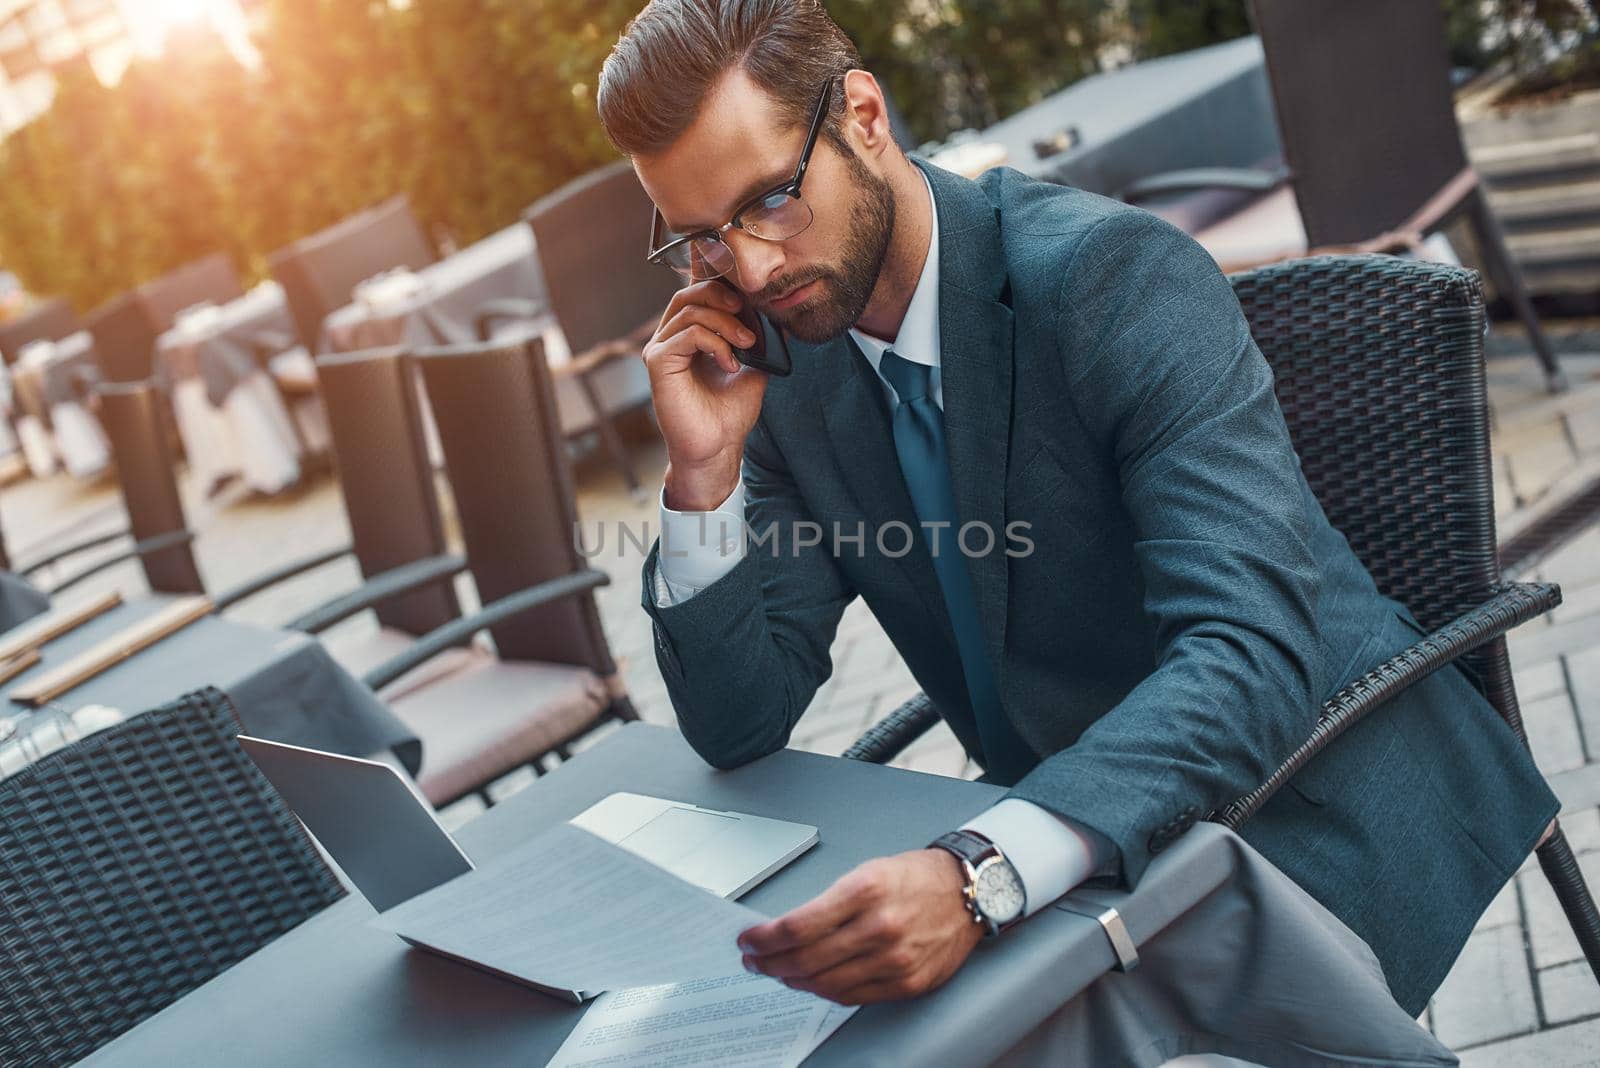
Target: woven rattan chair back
x: 1379, y: 369
x: 135, y: 865
x: 592, y: 235
x: 135, y: 423
x: 381, y: 456
x: 495, y: 406
x: 1362, y: 93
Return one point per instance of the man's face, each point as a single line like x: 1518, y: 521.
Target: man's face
x: 814, y: 285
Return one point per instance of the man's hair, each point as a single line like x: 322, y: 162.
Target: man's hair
x: 670, y: 55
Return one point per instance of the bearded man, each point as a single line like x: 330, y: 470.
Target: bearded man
x: 1051, y: 462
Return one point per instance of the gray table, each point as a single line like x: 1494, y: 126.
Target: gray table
x: 1211, y: 107
x: 40, y: 387
x: 284, y: 684
x: 1237, y: 959
x: 501, y: 266
x: 223, y: 354
x: 20, y: 600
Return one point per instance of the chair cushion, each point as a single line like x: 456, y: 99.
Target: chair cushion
x: 493, y: 716
x: 360, y: 652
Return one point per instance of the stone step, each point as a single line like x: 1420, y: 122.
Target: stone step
x: 1574, y: 157
x: 1578, y: 246
x: 1563, y: 205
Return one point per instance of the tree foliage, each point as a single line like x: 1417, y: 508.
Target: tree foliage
x: 474, y: 108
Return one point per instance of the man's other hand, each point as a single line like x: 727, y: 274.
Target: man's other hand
x: 893, y: 928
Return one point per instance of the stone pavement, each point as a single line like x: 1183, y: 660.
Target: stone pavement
x: 1520, y: 994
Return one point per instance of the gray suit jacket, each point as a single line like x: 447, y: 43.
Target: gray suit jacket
x: 1185, y: 607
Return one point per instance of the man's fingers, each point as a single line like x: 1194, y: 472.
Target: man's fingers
x: 831, y: 909
x: 831, y: 950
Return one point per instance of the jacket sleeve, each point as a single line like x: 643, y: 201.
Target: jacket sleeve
x: 743, y: 657
x: 1166, y: 376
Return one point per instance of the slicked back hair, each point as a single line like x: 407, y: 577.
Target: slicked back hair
x: 672, y: 53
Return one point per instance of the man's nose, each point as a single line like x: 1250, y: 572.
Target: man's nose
x: 758, y: 262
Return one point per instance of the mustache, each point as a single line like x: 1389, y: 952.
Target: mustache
x: 786, y: 285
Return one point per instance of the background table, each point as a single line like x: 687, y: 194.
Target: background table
x: 229, y: 413
x: 284, y: 684
x: 51, y: 419
x: 338, y: 991
x: 1211, y: 107
x: 502, y: 266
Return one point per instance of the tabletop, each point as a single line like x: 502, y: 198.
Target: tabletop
x: 503, y: 265
x: 1208, y: 107
x: 218, y: 347
x: 338, y: 990
x: 284, y: 684
x: 42, y: 385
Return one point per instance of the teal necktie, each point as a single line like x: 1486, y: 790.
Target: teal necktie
x: 925, y: 463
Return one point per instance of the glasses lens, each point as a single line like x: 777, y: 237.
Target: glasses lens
x: 777, y: 217
x: 700, y: 259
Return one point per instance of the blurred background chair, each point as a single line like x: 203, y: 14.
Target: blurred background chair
x: 1378, y: 365
x: 319, y: 273
x: 125, y: 328
x: 135, y: 865
x: 605, y: 297
x: 49, y: 320
x: 134, y: 419
x: 1373, y: 159
x: 551, y: 678
x: 390, y: 501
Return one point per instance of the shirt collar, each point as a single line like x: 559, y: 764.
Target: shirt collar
x: 918, y: 339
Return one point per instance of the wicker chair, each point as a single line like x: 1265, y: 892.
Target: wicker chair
x: 1379, y: 370
x: 135, y: 865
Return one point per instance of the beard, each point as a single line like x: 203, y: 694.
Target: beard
x: 845, y: 288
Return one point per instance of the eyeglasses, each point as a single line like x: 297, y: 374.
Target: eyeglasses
x: 775, y: 215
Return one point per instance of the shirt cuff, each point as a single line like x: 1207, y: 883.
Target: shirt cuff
x: 1052, y: 855
x: 698, y: 548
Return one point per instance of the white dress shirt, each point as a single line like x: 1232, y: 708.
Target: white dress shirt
x: 1051, y: 854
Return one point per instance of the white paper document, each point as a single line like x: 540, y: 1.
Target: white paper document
x: 743, y: 1021
x: 572, y: 911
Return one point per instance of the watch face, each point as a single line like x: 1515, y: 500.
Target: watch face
x: 998, y: 891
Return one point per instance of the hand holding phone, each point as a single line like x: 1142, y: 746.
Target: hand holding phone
x: 703, y: 362
x: 774, y: 358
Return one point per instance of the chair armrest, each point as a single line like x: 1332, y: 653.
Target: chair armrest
x: 1195, y: 179
x: 459, y: 631
x: 1511, y: 606
x: 511, y: 309
x: 231, y: 597
x: 378, y: 589
x: 71, y: 550
x: 148, y: 547
x: 889, y: 737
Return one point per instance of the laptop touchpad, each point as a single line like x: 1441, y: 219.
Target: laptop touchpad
x: 672, y: 839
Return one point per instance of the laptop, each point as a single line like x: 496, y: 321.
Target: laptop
x: 384, y: 835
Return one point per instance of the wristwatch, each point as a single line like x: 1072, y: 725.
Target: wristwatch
x: 994, y: 893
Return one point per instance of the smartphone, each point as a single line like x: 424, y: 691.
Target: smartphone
x: 770, y: 353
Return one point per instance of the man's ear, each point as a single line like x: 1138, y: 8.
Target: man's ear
x: 866, y: 119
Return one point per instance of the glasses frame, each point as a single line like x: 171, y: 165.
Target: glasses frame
x: 791, y: 188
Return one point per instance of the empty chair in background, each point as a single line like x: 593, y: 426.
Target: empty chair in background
x: 604, y: 296
x: 551, y: 678
x: 1374, y: 158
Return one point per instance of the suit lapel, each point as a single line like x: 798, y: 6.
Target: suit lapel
x: 852, y: 407
x: 975, y: 328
